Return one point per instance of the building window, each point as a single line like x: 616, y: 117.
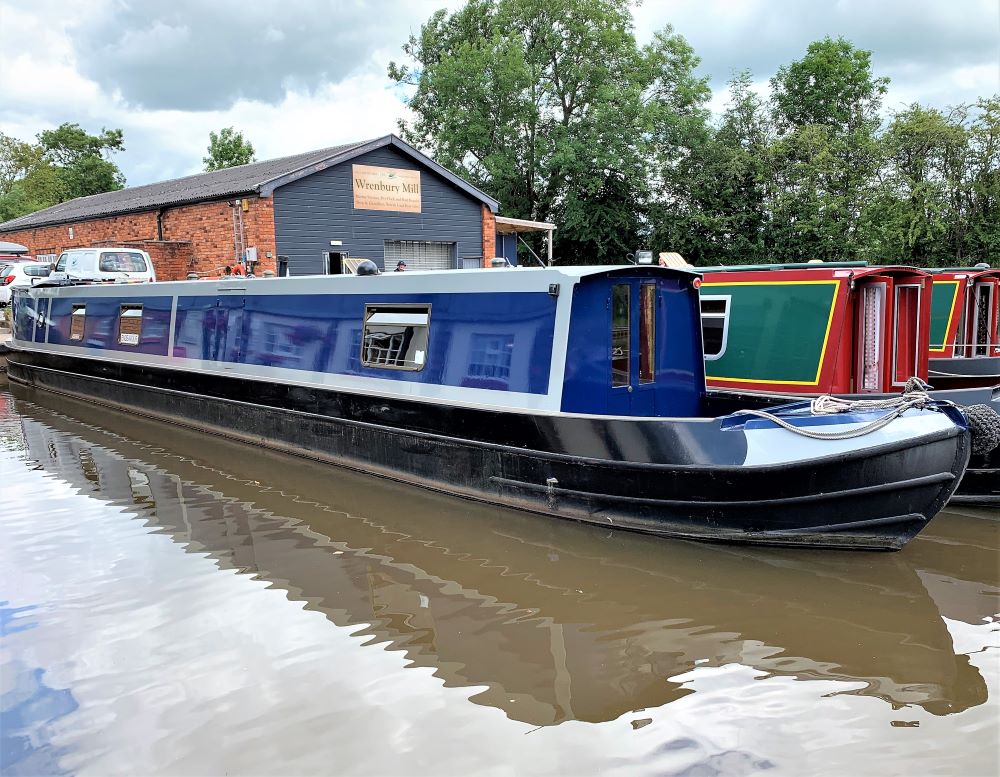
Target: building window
x: 490, y: 356
x: 395, y: 336
x: 130, y: 324
x: 78, y: 322
x: 420, y: 254
x: 715, y: 325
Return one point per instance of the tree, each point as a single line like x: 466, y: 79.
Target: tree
x: 83, y: 160
x: 981, y: 189
x: 826, y: 110
x: 65, y: 163
x: 228, y: 148
x: 718, y: 206
x: 553, y: 108
x: 915, y: 214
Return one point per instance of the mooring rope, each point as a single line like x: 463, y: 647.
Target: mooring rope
x: 915, y: 396
x: 983, y: 420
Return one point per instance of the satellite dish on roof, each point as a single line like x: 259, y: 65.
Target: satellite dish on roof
x: 12, y: 248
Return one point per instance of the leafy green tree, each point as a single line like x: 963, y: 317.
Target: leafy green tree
x: 981, y: 190
x: 826, y: 110
x: 914, y: 216
x: 554, y: 109
x: 717, y: 211
x: 65, y: 163
x: 228, y: 148
x: 83, y: 160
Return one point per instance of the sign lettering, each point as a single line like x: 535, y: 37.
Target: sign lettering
x: 386, y: 188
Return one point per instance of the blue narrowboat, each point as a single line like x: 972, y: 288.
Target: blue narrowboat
x: 574, y: 392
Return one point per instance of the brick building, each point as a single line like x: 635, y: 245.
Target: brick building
x: 318, y: 212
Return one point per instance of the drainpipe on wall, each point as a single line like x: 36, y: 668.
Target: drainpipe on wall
x: 159, y: 224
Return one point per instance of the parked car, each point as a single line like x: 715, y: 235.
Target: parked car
x: 18, y: 271
x: 105, y: 265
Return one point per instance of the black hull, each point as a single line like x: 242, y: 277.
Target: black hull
x: 981, y: 483
x: 954, y: 373
x: 878, y: 498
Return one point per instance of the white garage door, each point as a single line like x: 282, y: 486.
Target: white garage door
x: 419, y: 255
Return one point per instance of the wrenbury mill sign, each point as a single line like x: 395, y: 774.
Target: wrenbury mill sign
x: 386, y: 188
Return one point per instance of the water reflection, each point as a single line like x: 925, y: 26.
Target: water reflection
x: 554, y: 620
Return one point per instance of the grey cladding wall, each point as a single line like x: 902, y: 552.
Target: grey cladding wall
x: 312, y: 211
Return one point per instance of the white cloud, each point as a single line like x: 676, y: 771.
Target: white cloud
x: 281, y: 80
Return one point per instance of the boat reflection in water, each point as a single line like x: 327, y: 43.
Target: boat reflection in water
x: 557, y: 621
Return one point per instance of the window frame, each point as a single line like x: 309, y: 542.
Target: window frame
x: 393, y: 307
x: 124, y: 311
x: 727, y: 300
x: 78, y: 310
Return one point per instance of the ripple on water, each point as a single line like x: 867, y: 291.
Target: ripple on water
x: 177, y: 604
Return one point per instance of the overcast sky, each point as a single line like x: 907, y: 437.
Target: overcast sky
x: 296, y: 75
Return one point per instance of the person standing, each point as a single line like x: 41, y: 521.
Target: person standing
x: 400, y: 266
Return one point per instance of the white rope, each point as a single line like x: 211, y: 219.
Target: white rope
x: 915, y: 397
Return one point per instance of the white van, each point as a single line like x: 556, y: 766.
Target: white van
x: 105, y: 265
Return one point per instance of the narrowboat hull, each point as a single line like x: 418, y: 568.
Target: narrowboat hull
x: 981, y: 483
x: 687, y: 478
x: 958, y: 373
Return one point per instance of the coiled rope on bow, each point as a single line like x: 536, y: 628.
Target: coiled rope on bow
x: 915, y: 396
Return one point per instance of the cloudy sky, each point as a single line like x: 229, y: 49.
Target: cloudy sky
x: 296, y: 75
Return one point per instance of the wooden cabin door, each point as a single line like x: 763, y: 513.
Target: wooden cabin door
x: 633, y: 306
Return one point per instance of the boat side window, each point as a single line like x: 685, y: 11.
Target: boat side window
x: 715, y: 325
x: 647, y: 333
x: 620, y: 347
x: 130, y: 324
x: 78, y: 322
x: 395, y: 337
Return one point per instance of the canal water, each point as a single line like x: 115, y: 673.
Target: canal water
x: 173, y: 603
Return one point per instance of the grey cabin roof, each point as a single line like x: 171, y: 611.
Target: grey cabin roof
x: 255, y: 178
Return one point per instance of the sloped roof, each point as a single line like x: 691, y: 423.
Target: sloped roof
x: 256, y: 177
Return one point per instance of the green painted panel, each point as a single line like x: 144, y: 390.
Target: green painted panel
x: 942, y: 299
x: 776, y: 331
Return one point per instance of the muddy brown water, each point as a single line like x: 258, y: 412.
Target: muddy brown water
x: 175, y: 603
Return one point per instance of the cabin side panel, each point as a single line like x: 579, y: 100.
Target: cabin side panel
x: 779, y: 332
x: 497, y: 341
x: 124, y: 324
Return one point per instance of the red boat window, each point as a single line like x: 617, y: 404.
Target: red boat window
x: 620, y: 346
x: 647, y: 333
x: 907, y: 324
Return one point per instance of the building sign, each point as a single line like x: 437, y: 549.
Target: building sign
x: 386, y: 188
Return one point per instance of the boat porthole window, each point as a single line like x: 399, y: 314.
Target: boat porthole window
x: 130, y: 325
x: 715, y: 325
x: 78, y: 322
x: 395, y: 337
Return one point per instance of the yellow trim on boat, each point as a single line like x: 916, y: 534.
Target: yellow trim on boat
x: 951, y: 315
x: 826, y: 337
